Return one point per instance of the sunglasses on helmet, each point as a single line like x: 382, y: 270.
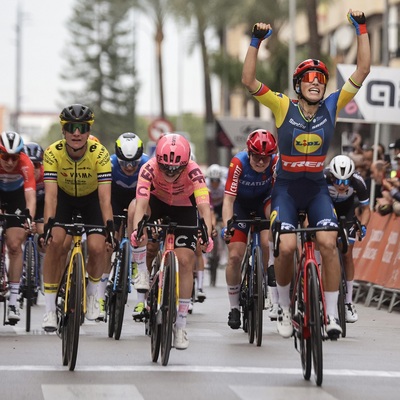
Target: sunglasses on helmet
x: 344, y: 182
x: 7, y: 157
x: 171, y: 170
x: 71, y: 127
x: 127, y: 164
x: 309, y: 77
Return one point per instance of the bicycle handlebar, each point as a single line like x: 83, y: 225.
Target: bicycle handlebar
x: 170, y: 226
x: 341, y: 229
x: 255, y: 221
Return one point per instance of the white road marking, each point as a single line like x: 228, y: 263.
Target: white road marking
x: 199, y: 368
x: 280, y: 392
x: 98, y: 392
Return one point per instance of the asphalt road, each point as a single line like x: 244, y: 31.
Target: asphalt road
x: 219, y: 363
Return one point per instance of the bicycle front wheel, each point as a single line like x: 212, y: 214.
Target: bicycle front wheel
x: 342, y: 306
x: 121, y: 295
x: 315, y: 321
x: 74, y: 311
x: 168, y: 306
x: 258, y: 296
x: 29, y: 265
x: 154, y: 325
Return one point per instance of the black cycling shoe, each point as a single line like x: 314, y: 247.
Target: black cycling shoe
x: 234, y: 318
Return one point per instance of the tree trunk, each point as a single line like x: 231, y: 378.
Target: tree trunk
x: 159, y: 39
x: 314, y: 41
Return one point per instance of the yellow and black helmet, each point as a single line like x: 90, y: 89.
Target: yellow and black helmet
x: 77, y: 113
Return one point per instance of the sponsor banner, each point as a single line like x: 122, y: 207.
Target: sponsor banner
x: 379, y: 98
x: 377, y: 256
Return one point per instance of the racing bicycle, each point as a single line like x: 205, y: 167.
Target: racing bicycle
x: 30, y: 279
x: 308, y: 311
x: 252, y: 288
x: 163, y: 295
x: 71, y: 293
x: 119, y: 286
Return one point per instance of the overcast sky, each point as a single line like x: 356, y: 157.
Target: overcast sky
x: 44, y: 36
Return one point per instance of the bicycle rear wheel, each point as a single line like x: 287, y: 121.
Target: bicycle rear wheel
x: 74, y: 312
x: 258, y: 296
x: 29, y: 290
x: 168, y: 306
x: 121, y: 295
x: 314, y: 308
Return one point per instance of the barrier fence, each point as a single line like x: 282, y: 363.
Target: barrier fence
x: 377, y: 260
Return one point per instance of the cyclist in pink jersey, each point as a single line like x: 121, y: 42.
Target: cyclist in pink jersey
x: 171, y: 184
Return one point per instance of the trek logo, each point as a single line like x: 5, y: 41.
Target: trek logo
x: 298, y: 164
x: 307, y: 143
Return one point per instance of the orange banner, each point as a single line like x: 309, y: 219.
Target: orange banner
x: 377, y: 256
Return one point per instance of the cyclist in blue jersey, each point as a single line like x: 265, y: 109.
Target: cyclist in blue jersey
x: 305, y: 128
x: 125, y: 165
x: 348, y: 191
x: 248, y: 189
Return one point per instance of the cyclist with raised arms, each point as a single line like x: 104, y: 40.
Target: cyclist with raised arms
x: 126, y: 162
x: 248, y: 189
x: 348, y: 191
x: 305, y: 128
x: 77, y: 177
x: 17, y: 193
x: 171, y: 184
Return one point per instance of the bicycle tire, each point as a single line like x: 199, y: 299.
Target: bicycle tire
x: 302, y: 334
x: 121, y: 295
x: 168, y: 306
x: 74, y: 310
x: 249, y: 309
x: 213, y: 262
x: 62, y: 317
x: 342, y: 307
x: 314, y: 309
x: 111, y: 314
x: 28, y: 253
x: 258, y: 296
x: 154, y: 326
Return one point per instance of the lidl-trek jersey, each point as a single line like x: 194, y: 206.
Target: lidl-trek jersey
x: 303, y: 145
x: 80, y: 177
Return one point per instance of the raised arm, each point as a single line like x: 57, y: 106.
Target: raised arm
x: 357, y: 19
x: 260, y: 32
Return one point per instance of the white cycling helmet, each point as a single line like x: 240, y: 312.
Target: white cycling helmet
x: 342, y: 167
x: 214, y: 171
x: 12, y: 142
x: 128, y: 147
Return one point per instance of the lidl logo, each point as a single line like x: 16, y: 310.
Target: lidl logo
x: 307, y: 143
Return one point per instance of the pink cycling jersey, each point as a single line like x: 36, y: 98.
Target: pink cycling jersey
x: 178, y: 193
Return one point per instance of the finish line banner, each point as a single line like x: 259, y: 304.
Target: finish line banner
x: 378, y: 101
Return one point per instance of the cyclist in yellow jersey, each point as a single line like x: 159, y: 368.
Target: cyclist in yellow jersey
x: 77, y: 177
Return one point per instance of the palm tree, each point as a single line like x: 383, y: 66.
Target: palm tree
x: 157, y: 10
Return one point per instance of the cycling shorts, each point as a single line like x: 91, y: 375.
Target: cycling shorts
x: 291, y: 196
x: 343, y: 209
x: 187, y: 216
x: 242, y: 229
x: 14, y: 202
x: 88, y: 206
